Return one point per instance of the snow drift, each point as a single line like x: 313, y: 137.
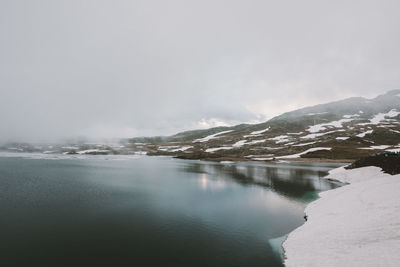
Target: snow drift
x: 354, y: 225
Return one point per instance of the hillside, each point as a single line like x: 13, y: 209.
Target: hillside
x: 347, y: 129
x: 341, y: 130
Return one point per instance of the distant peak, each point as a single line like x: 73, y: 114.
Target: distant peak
x: 393, y: 92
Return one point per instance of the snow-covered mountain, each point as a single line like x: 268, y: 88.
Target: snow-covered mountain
x: 346, y: 129
x: 341, y: 130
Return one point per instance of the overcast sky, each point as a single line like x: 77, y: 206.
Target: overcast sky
x: 127, y: 68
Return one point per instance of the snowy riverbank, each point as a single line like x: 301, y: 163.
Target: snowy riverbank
x: 354, y: 225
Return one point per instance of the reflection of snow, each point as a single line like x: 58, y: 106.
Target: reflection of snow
x: 210, y: 184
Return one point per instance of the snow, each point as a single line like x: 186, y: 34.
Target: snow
x: 305, y: 144
x: 262, y: 158
x: 395, y: 150
x: 375, y: 147
x: 259, y: 132
x: 210, y: 150
x: 256, y: 142
x: 88, y: 151
x: 299, y: 133
x: 280, y: 139
x: 314, y: 135
x: 290, y: 144
x: 323, y: 126
x: 342, y: 138
x: 302, y: 153
x: 293, y: 156
x: 183, y: 148
x: 351, y: 116
x: 364, y: 133
x: 354, y: 225
x: 378, y: 118
x: 207, y: 138
x: 166, y: 148
x: 239, y: 143
x: 319, y: 113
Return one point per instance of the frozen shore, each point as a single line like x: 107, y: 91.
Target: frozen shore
x: 354, y: 225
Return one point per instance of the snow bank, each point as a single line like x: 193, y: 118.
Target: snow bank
x: 354, y: 225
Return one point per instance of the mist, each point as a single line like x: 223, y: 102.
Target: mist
x: 113, y: 69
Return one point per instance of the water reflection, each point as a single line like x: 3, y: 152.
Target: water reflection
x: 150, y: 211
x: 293, y: 180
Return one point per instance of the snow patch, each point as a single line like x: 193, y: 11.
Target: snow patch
x: 303, y: 153
x: 210, y: 150
x: 361, y: 135
x: 305, y: 144
x: 395, y: 150
x: 354, y: 225
x: 207, y: 138
x: 351, y: 116
x: 375, y: 147
x: 378, y: 118
x: 260, y: 132
x: 324, y: 126
x: 280, y: 139
x: 314, y: 135
x: 319, y: 113
x: 89, y: 151
x: 184, y: 148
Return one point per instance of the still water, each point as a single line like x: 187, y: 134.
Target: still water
x: 150, y: 211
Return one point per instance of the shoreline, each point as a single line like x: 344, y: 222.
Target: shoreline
x: 356, y: 224
x: 220, y: 159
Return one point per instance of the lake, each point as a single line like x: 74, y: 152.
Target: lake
x: 150, y: 211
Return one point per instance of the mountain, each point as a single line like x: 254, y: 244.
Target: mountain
x: 342, y: 130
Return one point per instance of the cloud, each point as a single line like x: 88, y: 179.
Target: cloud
x: 98, y: 68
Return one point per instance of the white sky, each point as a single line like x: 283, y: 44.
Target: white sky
x: 126, y: 68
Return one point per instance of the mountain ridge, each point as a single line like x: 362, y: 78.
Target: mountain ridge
x: 342, y: 130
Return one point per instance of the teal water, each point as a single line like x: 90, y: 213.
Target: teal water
x: 150, y: 211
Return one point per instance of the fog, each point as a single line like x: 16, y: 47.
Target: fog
x: 109, y: 69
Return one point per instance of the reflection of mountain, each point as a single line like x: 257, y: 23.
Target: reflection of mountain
x: 288, y: 180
